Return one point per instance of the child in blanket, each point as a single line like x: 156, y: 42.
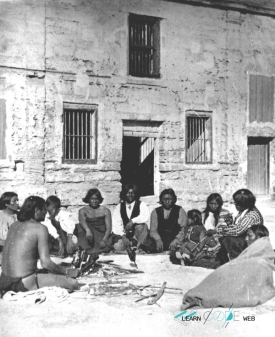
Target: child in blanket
x: 192, y: 238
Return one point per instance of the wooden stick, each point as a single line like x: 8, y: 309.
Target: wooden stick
x: 105, y: 283
x: 144, y: 297
x: 159, y: 294
x: 158, y: 287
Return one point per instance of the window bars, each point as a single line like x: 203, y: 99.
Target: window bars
x: 144, y: 46
x: 198, y: 139
x: 80, y: 133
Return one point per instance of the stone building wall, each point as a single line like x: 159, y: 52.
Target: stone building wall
x: 53, y: 52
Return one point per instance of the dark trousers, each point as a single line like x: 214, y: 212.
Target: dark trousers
x: 150, y: 247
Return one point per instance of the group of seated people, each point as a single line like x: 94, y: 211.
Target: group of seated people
x: 42, y: 228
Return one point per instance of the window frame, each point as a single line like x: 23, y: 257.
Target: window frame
x: 93, y: 109
x: 199, y: 114
x: 139, y: 19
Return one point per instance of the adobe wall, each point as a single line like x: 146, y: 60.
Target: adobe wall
x: 74, y: 51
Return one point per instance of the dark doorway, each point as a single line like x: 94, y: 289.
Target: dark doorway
x: 137, y: 164
x: 258, y: 164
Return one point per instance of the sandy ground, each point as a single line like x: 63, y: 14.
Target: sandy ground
x: 80, y: 315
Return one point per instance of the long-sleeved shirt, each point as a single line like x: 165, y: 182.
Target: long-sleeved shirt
x: 117, y: 221
x: 154, y: 222
x: 65, y: 220
x: 5, y: 221
x: 243, y: 221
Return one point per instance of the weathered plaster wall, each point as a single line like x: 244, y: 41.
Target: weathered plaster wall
x: 77, y: 51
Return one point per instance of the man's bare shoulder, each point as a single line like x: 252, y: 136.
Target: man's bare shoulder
x: 104, y: 209
x: 84, y: 210
x: 30, y: 225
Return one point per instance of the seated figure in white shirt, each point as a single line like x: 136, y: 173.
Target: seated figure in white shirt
x: 129, y: 219
x: 61, y: 228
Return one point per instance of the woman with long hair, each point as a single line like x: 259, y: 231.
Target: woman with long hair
x: 248, y: 215
x: 214, y: 218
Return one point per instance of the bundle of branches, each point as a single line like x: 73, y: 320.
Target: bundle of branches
x: 108, y: 270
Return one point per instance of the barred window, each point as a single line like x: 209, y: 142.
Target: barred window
x: 80, y: 133
x: 199, y: 139
x: 144, y: 46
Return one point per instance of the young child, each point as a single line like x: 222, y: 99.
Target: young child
x: 192, y: 237
x: 61, y: 228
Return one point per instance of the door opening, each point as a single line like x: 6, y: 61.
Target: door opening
x: 137, y: 164
x: 258, y: 165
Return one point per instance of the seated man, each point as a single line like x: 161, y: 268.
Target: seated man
x: 129, y: 219
x: 8, y: 215
x: 94, y: 230
x: 166, y: 222
x: 27, y: 241
x: 61, y: 227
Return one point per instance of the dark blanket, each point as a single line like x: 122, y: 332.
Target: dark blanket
x: 243, y: 282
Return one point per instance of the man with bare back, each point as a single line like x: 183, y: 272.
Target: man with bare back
x: 27, y: 241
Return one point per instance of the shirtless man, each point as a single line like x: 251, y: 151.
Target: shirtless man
x: 27, y: 241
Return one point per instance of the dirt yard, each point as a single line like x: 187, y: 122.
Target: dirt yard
x: 122, y: 316
x: 82, y: 315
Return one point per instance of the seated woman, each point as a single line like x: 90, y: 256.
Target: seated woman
x: 215, y: 218
x: 234, y: 243
x: 8, y: 215
x: 166, y: 223
x: 191, y: 239
x: 95, y: 226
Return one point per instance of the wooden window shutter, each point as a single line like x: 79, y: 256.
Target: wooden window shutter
x: 261, y: 98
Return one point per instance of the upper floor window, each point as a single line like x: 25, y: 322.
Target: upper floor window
x: 199, y: 138
x: 80, y: 133
x: 144, y: 46
x: 261, y: 98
